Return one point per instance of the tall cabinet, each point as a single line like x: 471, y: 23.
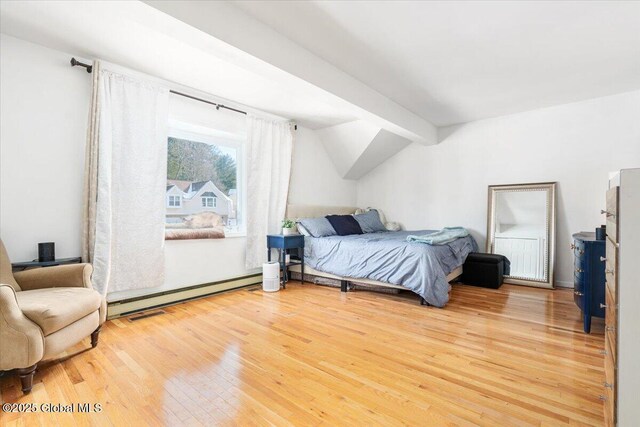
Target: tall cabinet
x: 622, y: 301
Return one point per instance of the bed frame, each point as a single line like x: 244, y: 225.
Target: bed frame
x: 309, y: 211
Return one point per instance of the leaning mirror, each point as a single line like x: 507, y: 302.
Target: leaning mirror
x: 521, y: 224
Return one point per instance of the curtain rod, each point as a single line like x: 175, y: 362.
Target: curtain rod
x: 76, y: 63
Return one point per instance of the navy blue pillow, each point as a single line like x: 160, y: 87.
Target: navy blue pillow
x: 344, y: 224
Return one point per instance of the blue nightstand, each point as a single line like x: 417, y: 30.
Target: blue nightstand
x: 588, y: 277
x: 284, y: 244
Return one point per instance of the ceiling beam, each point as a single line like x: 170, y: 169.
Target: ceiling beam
x: 262, y: 49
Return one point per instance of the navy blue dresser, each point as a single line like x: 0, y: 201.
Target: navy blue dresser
x: 588, y: 276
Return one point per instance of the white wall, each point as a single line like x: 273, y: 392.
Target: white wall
x: 314, y: 178
x: 44, y: 104
x: 576, y: 145
x: 44, y: 110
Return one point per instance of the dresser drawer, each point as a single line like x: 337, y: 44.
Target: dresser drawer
x: 578, y: 248
x: 609, y: 391
x: 580, y: 262
x: 579, y: 273
x: 278, y: 241
x: 612, y: 214
x: 611, y: 266
x: 611, y: 321
x: 579, y: 291
x: 609, y: 411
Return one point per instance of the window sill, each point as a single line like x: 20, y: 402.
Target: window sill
x: 226, y: 236
x: 235, y: 235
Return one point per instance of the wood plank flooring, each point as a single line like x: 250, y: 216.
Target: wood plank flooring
x: 310, y: 355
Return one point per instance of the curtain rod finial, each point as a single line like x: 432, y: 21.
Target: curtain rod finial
x: 75, y: 62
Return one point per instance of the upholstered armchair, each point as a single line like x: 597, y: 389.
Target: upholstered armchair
x: 44, y: 311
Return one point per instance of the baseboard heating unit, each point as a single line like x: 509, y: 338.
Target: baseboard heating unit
x: 129, y: 306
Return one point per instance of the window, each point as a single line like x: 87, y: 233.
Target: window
x: 174, y: 201
x: 204, y: 182
x: 208, y: 202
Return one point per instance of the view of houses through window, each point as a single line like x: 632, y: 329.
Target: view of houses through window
x: 174, y: 201
x: 202, y: 188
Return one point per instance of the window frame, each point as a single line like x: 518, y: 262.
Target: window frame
x: 210, y: 136
x: 205, y: 202
x: 175, y: 197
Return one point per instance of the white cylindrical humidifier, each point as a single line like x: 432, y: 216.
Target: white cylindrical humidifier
x: 271, y: 277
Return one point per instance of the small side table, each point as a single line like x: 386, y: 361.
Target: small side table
x: 35, y: 263
x: 283, y: 244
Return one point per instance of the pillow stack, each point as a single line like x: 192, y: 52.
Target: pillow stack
x: 342, y: 225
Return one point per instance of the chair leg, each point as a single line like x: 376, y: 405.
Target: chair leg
x: 26, y: 378
x: 94, y: 337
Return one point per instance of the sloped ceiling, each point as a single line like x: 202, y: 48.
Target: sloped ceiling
x: 384, y: 127
x: 358, y: 147
x: 400, y: 67
x: 215, y: 48
x: 445, y: 62
x: 264, y: 50
x: 223, y: 58
x: 453, y: 62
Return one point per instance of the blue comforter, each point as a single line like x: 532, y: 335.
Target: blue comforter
x: 388, y: 257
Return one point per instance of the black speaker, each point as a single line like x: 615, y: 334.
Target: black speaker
x: 46, y: 251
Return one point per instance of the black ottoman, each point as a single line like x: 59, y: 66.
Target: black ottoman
x: 486, y: 270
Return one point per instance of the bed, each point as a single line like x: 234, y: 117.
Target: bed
x: 384, y: 259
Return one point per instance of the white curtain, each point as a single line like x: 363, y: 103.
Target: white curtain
x: 269, y: 148
x: 126, y: 171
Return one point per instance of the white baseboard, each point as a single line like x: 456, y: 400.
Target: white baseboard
x: 562, y: 284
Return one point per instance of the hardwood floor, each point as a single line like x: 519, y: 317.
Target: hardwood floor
x: 310, y: 355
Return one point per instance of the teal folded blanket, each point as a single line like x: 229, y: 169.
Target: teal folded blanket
x: 442, y: 237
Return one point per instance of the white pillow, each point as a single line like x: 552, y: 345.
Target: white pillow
x: 392, y: 226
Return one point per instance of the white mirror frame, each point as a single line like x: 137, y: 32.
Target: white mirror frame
x: 550, y: 188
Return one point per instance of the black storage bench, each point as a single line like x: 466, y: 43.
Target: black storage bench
x: 486, y: 270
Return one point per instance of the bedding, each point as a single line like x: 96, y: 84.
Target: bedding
x: 344, y: 224
x: 444, y: 236
x: 302, y: 230
x: 316, y: 227
x: 370, y: 222
x: 388, y: 257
